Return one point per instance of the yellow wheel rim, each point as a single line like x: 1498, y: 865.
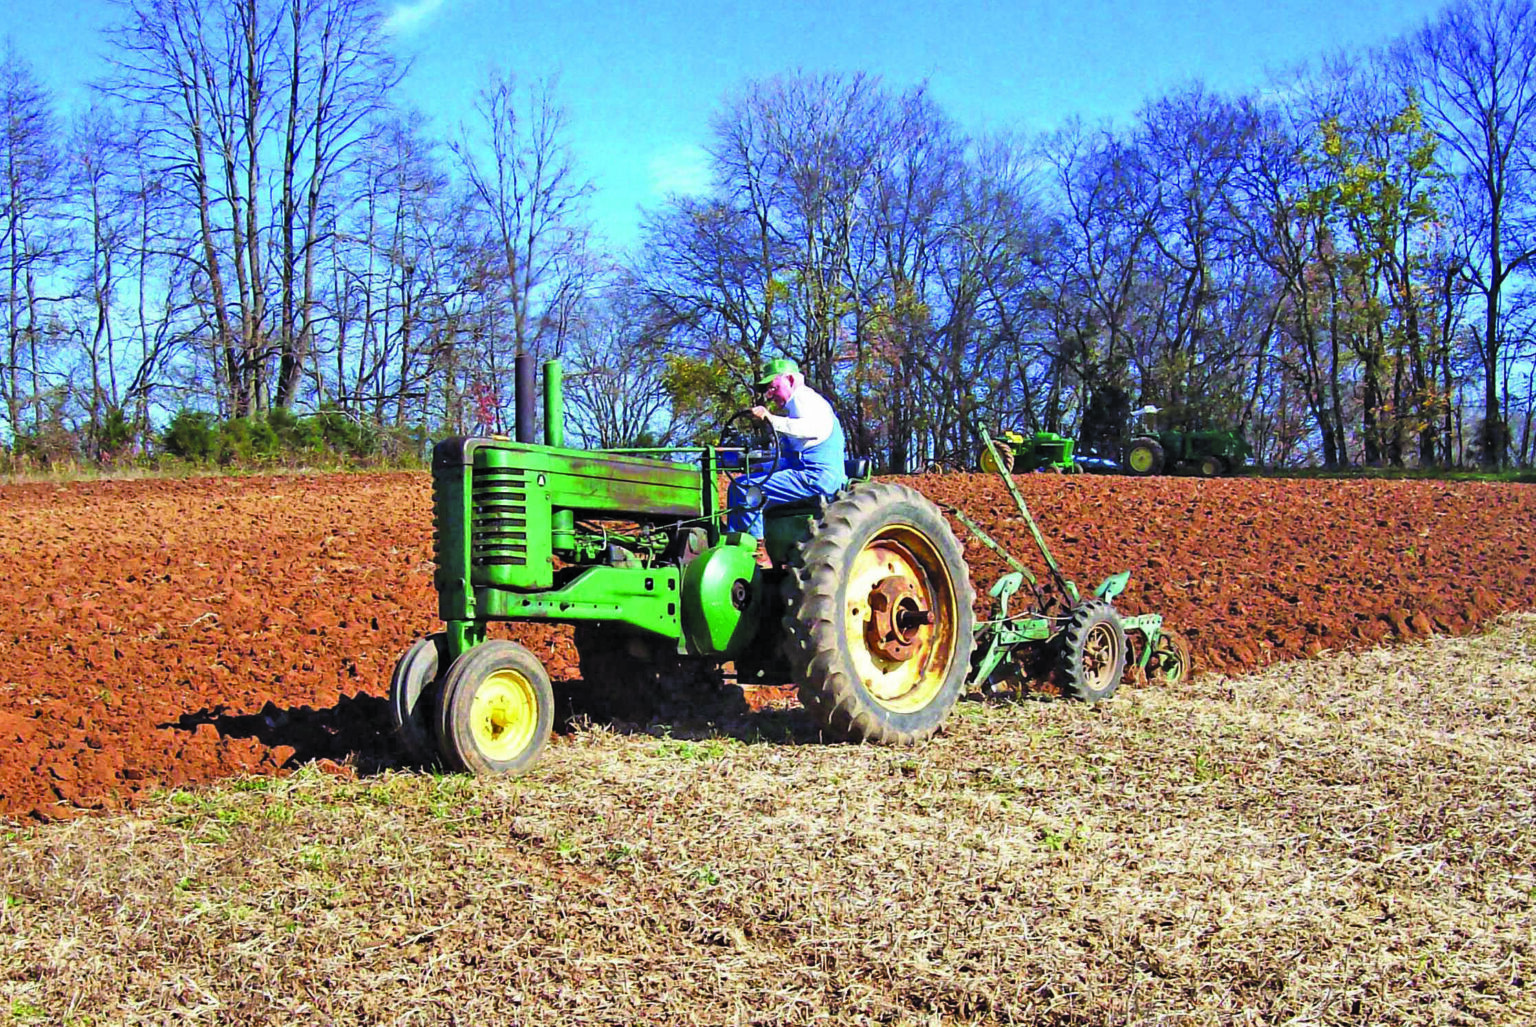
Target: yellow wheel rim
x: 901, y: 560
x: 503, y: 716
x: 1141, y: 459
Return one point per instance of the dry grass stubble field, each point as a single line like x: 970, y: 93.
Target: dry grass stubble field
x: 1348, y: 840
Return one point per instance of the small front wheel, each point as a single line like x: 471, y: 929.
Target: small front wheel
x: 495, y: 710
x: 1093, y: 652
x: 412, y: 690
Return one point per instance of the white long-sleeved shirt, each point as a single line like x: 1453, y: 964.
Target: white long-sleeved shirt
x: 807, y: 416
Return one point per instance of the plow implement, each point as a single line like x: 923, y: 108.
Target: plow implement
x: 1047, y: 630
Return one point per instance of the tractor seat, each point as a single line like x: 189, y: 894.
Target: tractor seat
x: 855, y: 467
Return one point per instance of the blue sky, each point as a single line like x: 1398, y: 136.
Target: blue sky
x: 640, y: 80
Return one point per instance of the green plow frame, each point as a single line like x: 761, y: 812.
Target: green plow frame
x: 996, y: 638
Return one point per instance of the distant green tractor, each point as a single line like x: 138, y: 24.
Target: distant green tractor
x: 1036, y: 451
x: 1208, y: 453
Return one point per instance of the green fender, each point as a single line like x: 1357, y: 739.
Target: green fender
x: 722, y: 597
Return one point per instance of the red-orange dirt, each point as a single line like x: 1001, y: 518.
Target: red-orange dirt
x: 161, y: 633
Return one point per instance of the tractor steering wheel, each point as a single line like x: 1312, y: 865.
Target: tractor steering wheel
x: 752, y: 435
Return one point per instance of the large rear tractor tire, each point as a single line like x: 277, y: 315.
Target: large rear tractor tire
x: 878, y: 623
x: 495, y: 710
x: 1005, y: 454
x: 412, y: 693
x: 1144, y: 457
x: 1092, y: 652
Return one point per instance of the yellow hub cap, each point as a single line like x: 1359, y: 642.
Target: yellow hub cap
x: 899, y: 619
x: 504, y: 715
x: 1141, y: 459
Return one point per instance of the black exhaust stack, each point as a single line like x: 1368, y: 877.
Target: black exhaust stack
x: 526, y: 398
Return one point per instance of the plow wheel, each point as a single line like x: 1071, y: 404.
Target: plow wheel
x: 495, y: 710
x: 412, y: 691
x: 1093, y: 652
x: 878, y: 622
x: 1170, y: 662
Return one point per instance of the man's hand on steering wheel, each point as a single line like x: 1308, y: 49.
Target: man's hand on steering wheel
x: 760, y: 412
x: 746, y: 430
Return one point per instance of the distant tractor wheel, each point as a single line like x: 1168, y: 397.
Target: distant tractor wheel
x: 1170, y: 662
x: 1212, y: 467
x: 412, y: 691
x: 1093, y: 652
x: 495, y: 710
x: 878, y: 623
x: 1004, y: 452
x: 1144, y: 457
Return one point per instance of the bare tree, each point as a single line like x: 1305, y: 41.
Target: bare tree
x: 338, y: 73
x: 1291, y: 239
x: 617, y: 363
x: 1475, y: 66
x: 94, y: 154
x: 525, y: 190
x: 1199, y: 336
x: 200, y: 72
x: 910, y: 198
x: 32, y: 241
x: 391, y: 282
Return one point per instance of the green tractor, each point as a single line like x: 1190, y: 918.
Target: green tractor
x: 1208, y: 453
x: 1023, y: 453
x: 867, y: 606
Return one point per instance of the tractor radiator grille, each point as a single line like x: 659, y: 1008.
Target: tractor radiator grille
x: 499, y: 522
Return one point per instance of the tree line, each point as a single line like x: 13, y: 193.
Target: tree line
x: 247, y: 220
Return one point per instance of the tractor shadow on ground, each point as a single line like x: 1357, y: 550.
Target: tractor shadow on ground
x: 713, y: 713
x: 357, y: 730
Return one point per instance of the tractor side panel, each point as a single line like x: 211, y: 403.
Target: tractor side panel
x: 501, y: 509
x: 451, y: 532
x: 1175, y: 447
x: 622, y: 484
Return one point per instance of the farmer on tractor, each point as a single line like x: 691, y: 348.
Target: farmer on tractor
x: 811, y: 457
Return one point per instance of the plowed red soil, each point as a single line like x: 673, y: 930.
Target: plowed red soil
x: 160, y: 633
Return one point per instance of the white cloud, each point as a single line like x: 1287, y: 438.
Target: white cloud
x: 680, y: 171
x: 406, y: 18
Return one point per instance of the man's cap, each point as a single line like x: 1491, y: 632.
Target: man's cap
x: 775, y: 367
